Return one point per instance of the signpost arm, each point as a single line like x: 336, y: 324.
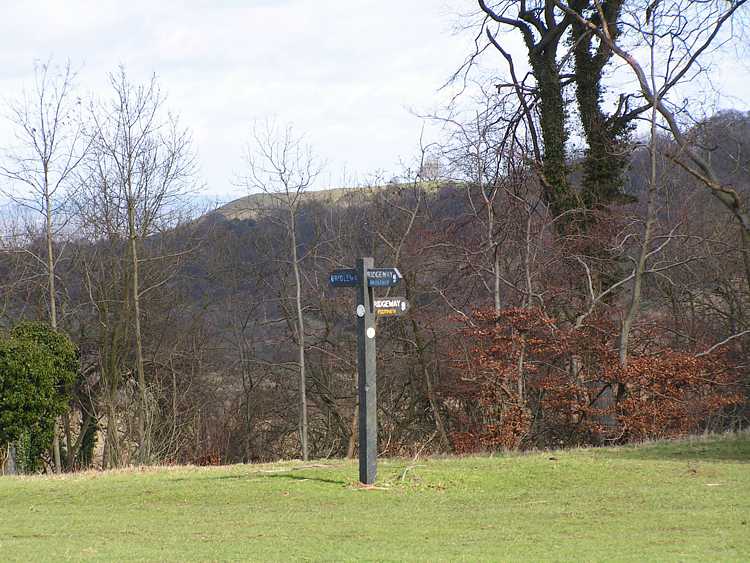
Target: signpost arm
x: 368, y: 425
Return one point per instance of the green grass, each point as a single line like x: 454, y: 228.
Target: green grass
x: 672, y: 501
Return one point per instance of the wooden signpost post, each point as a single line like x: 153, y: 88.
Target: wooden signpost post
x: 368, y: 308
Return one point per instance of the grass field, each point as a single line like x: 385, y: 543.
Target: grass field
x: 676, y: 501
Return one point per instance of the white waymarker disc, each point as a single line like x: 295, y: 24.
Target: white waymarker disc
x: 360, y: 310
x: 370, y: 332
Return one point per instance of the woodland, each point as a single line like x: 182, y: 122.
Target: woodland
x: 575, y: 250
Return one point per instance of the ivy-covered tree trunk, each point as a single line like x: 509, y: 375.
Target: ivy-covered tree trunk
x: 543, y: 25
x: 606, y: 155
x: 554, y: 132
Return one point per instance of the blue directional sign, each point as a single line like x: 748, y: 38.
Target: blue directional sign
x: 377, y: 277
x: 344, y: 278
x: 383, y: 277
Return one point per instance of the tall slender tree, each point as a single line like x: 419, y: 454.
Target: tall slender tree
x: 49, y: 146
x: 282, y: 166
x: 142, y: 169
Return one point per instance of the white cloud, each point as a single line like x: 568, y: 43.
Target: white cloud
x: 345, y: 72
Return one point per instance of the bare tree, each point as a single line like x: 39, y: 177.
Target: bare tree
x: 49, y: 146
x: 487, y: 152
x: 141, y: 170
x: 282, y: 166
x: 689, y: 31
x: 651, y: 210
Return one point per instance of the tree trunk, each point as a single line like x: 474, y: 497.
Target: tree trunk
x: 74, y: 449
x: 746, y: 254
x: 300, y: 335
x: 352, y: 445
x: 554, y: 133
x: 605, y: 159
x: 10, y: 461
x: 143, y: 441
x: 52, y: 299
x: 68, y: 440
x: 635, y: 296
x: 56, y: 446
x: 496, y: 271
x: 111, y: 455
x: 618, y: 391
x: 520, y: 369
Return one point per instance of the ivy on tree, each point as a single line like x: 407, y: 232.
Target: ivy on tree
x: 38, y: 367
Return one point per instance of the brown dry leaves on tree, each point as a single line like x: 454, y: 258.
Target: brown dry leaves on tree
x: 526, y: 382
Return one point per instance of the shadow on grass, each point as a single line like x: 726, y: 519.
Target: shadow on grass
x: 304, y: 478
x: 263, y: 477
x: 733, y: 449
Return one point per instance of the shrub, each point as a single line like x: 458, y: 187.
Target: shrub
x: 526, y: 382
x: 38, y: 367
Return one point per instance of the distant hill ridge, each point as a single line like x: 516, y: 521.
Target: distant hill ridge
x: 250, y: 206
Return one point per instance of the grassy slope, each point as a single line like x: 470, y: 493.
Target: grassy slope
x: 662, y: 501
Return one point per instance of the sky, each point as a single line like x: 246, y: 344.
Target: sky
x: 349, y: 75
x: 346, y: 74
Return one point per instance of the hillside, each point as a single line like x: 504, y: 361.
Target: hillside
x: 251, y: 206
x: 670, y: 501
